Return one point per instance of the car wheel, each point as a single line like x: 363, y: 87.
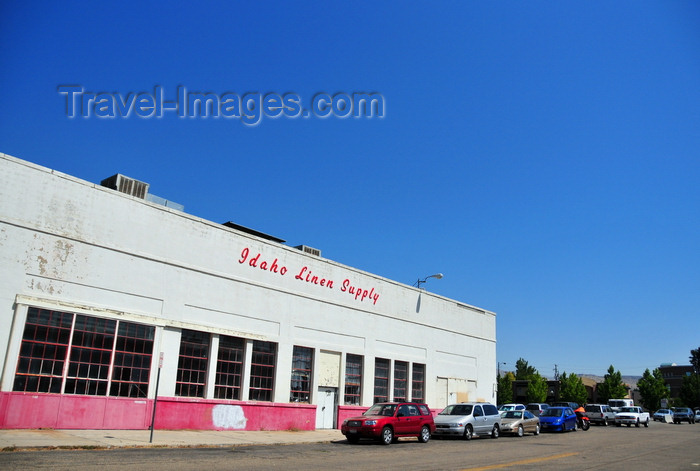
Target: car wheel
x: 424, y: 434
x: 605, y: 422
x: 521, y: 431
x: 495, y: 432
x: 537, y: 430
x: 353, y: 438
x: 468, y: 432
x: 387, y: 436
x: 646, y: 424
x: 637, y: 424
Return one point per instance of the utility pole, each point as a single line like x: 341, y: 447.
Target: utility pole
x: 556, y: 373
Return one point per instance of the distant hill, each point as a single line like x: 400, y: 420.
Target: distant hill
x: 631, y: 381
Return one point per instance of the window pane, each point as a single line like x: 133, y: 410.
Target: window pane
x: 192, y: 364
x: 418, y: 383
x: 90, y: 356
x: 262, y: 371
x: 353, y: 379
x: 302, y: 363
x: 43, y: 351
x: 229, y: 368
x: 132, y: 360
x: 400, y: 380
x: 381, y: 380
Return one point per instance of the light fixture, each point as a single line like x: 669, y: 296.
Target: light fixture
x: 418, y: 283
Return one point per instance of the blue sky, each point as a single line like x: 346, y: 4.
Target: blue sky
x: 542, y: 155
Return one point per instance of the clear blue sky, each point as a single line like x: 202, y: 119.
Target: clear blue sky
x: 544, y: 156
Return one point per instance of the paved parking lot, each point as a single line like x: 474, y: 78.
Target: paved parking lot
x: 661, y: 446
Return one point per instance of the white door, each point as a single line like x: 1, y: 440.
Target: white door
x: 325, y: 408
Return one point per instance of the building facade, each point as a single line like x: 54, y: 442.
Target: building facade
x: 117, y: 312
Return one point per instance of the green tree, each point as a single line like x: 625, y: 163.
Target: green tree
x: 690, y: 391
x: 652, y: 388
x: 695, y: 359
x: 571, y: 389
x: 537, y: 388
x: 523, y: 370
x: 504, y: 394
x: 612, y: 386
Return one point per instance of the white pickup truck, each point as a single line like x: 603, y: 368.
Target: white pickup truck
x: 631, y: 415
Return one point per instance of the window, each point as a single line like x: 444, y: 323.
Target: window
x: 302, y: 363
x: 400, y: 380
x: 132, y: 360
x: 418, y: 383
x: 381, y: 380
x: 90, y: 356
x: 91, y: 347
x: 353, y: 379
x: 229, y: 368
x: 192, y: 365
x: 262, y: 371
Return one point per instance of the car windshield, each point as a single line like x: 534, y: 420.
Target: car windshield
x: 513, y: 414
x: 552, y: 412
x: 381, y: 409
x: 457, y: 409
x: 628, y: 409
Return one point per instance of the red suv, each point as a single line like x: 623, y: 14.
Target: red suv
x: 386, y: 421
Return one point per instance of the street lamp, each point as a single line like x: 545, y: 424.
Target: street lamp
x: 418, y: 283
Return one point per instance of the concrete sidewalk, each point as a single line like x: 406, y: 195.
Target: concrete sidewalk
x: 37, y: 439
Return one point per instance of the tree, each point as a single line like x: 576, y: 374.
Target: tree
x: 571, y: 389
x: 504, y: 394
x: 652, y: 388
x: 612, y: 386
x: 690, y: 390
x: 537, y: 388
x: 695, y: 359
x: 523, y: 370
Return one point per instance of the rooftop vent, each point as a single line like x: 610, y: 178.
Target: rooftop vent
x: 309, y: 250
x: 126, y: 185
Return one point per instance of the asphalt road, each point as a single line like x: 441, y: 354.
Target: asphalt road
x: 661, y: 446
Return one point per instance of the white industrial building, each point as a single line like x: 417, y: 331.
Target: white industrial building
x: 111, y: 297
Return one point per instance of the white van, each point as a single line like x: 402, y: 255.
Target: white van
x: 615, y: 404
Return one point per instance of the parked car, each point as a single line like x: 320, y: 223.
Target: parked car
x: 558, y: 418
x: 386, y: 421
x: 683, y: 414
x: 468, y: 419
x: 697, y: 415
x: 660, y: 415
x: 519, y: 422
x: 600, y: 414
x: 536, y: 407
x: 511, y: 407
x: 631, y: 415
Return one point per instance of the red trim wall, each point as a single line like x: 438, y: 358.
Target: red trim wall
x: 33, y: 410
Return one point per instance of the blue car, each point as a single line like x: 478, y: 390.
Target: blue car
x: 558, y: 419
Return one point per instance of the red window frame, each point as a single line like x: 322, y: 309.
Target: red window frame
x: 302, y: 373
x: 418, y: 383
x: 64, y: 352
x: 400, y: 380
x: 353, y: 379
x: 262, y: 371
x: 381, y: 379
x: 229, y: 368
x: 192, y: 364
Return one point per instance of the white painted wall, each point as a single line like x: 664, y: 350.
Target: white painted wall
x: 64, y: 241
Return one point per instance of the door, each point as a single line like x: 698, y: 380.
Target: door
x: 325, y: 408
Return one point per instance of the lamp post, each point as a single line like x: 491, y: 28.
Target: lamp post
x: 418, y: 283
x: 499, y: 366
